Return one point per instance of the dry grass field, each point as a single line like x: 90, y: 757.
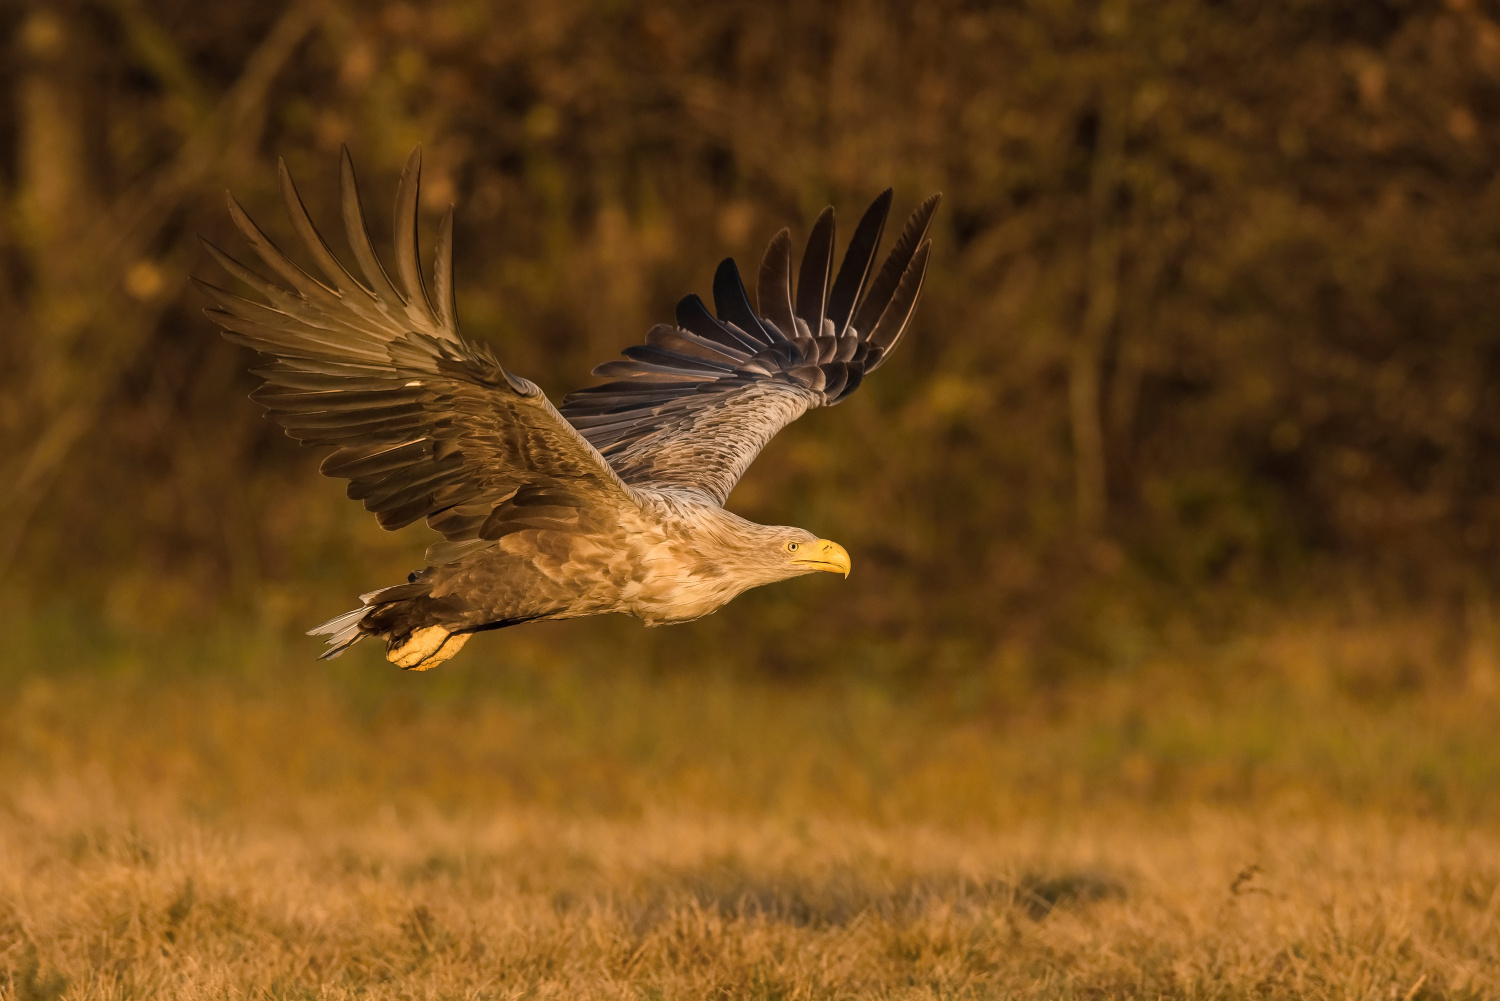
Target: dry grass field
x: 529, y: 903
x: 549, y: 829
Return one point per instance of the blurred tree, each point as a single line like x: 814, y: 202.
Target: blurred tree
x: 96, y: 289
x: 1211, y: 316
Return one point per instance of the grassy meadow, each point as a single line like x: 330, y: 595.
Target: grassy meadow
x: 1311, y: 813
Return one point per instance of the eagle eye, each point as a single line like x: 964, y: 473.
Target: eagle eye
x: 792, y: 547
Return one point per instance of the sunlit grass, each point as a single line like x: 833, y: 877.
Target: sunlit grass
x: 529, y: 903
x: 1290, y: 816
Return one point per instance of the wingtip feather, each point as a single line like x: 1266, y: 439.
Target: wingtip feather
x: 357, y: 231
x: 813, y: 275
x: 442, y: 275
x: 773, y: 285
x: 859, y: 261
x: 732, y: 303
x: 893, y: 323
x: 408, y: 252
x: 871, y: 311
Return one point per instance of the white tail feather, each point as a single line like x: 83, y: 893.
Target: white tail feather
x: 342, y: 631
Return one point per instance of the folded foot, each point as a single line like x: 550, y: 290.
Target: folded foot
x: 426, y: 648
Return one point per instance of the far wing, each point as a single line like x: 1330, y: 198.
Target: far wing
x: 695, y: 404
x: 424, y: 424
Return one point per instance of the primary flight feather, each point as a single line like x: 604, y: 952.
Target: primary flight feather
x: 612, y: 502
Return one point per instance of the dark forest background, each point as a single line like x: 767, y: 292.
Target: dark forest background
x: 1210, y: 335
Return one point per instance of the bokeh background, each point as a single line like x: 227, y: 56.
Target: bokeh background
x: 1211, y: 330
x: 1183, y: 489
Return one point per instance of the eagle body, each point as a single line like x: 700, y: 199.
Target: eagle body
x: 672, y: 559
x: 611, y: 503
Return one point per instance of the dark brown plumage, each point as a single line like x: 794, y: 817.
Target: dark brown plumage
x: 612, y: 503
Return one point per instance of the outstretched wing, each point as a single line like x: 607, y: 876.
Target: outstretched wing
x: 424, y: 424
x: 694, y: 405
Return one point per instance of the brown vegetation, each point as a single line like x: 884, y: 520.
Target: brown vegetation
x: 1312, y: 814
x: 681, y: 906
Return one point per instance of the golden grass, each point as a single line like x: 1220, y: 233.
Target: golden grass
x: 557, y: 830
x: 530, y: 903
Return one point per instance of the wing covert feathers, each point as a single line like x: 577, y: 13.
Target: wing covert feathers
x: 423, y: 423
x: 694, y: 405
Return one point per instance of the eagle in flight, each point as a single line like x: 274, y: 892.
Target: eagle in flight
x: 613, y: 502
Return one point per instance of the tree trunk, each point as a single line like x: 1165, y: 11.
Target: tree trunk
x: 1102, y: 295
x: 55, y: 194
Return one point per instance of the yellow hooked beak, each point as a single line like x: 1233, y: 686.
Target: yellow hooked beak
x: 824, y: 555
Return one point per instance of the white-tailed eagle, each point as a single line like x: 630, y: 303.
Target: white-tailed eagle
x: 612, y: 502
